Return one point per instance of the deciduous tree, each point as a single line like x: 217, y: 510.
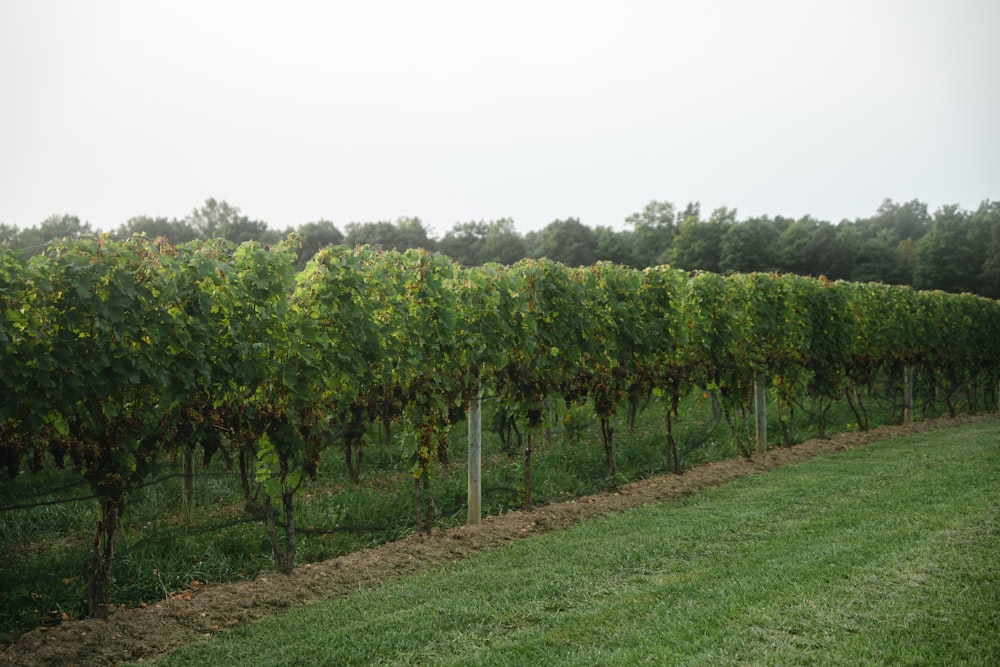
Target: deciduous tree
x: 653, y: 230
x: 946, y: 259
x: 569, y: 242
x: 219, y: 219
x: 175, y: 231
x: 698, y: 245
x: 316, y: 235
x: 403, y: 234
x: 751, y: 245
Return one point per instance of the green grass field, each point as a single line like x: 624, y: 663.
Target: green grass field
x: 887, y: 554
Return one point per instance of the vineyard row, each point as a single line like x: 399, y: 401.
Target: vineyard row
x: 120, y: 355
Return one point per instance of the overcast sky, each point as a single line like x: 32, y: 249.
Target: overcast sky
x: 454, y: 111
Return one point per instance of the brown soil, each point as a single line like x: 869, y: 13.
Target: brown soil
x: 142, y: 634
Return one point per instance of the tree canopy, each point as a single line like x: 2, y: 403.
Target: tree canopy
x: 951, y: 249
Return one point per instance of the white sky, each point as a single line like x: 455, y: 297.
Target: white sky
x: 455, y: 111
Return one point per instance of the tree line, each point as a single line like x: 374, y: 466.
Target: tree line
x: 952, y: 249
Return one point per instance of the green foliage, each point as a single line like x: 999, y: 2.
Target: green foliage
x: 831, y: 334
x: 698, y: 243
x: 949, y: 257
x: 23, y: 415
x: 403, y: 234
x: 220, y: 219
x: 961, y: 253
x: 751, y: 246
x: 881, y: 259
x: 175, y: 231
x: 614, y: 358
x: 316, y: 236
x: 414, y: 307
x: 654, y: 229
x: 478, y: 243
x: 810, y: 247
x: 550, y: 337
x: 986, y: 222
x: 104, y: 376
x: 120, y: 353
x: 569, y: 242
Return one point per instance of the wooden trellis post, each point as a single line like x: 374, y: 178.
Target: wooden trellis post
x: 475, y: 457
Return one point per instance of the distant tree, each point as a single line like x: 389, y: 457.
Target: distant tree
x: 175, y: 231
x: 691, y: 211
x: 413, y: 234
x: 476, y: 243
x: 751, y: 245
x: 979, y: 234
x: 698, y: 245
x: 850, y: 239
x: 465, y: 242
x: 811, y: 247
x: 908, y: 248
x: 533, y: 243
x: 617, y: 246
x: 568, y: 241
x: 945, y: 258
x: 873, y: 246
x: 824, y: 254
x: 503, y: 244
x: 880, y: 259
x: 653, y: 231
x: 381, y: 234
x: 794, y: 246
x: 9, y: 235
x: 989, y: 277
x: 65, y: 226
x: 315, y: 236
x: 986, y: 223
x: 219, y: 219
x: 403, y: 234
x: 905, y: 221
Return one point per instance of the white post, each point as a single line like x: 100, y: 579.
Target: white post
x: 475, y: 457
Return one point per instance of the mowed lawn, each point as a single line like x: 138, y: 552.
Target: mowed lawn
x: 888, y: 554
